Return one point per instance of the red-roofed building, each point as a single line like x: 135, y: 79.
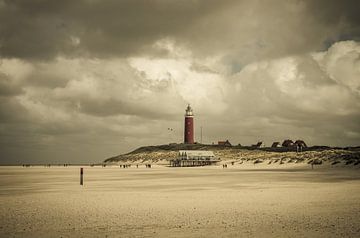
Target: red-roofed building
x: 224, y: 143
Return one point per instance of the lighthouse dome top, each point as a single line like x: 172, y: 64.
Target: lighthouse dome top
x: 189, y: 111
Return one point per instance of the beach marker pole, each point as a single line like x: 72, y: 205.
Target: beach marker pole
x: 81, y: 176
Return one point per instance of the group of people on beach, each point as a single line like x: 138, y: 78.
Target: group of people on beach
x: 129, y: 165
x: 225, y: 165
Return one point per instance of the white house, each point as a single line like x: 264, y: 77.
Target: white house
x: 196, y: 155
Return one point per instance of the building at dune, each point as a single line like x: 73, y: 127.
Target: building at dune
x: 297, y: 143
x: 189, y: 126
x: 224, y: 143
x: 300, y: 143
x: 196, y: 155
x: 257, y: 145
x: 190, y: 158
x: 275, y: 144
x: 287, y: 143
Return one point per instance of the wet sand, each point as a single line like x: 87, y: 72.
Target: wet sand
x: 238, y: 201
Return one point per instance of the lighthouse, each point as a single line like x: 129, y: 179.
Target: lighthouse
x: 189, y: 126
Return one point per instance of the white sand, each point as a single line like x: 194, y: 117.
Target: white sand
x: 241, y: 201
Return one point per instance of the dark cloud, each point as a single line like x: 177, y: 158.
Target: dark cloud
x: 45, y: 29
x: 248, y: 30
x: 334, y: 13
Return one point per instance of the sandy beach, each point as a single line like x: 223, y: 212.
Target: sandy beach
x: 240, y: 201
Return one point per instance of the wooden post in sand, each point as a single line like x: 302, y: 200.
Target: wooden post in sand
x: 81, y: 176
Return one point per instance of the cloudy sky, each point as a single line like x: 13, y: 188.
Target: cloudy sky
x: 81, y: 81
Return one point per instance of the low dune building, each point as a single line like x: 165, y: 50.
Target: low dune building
x: 275, y: 144
x: 224, y: 143
x: 257, y: 145
x: 300, y: 143
x: 190, y: 158
x: 287, y: 143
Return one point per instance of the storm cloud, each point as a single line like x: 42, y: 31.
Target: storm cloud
x: 82, y: 81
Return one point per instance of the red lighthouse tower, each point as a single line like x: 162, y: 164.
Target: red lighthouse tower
x: 189, y: 126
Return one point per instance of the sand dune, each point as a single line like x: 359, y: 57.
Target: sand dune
x: 162, y: 155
